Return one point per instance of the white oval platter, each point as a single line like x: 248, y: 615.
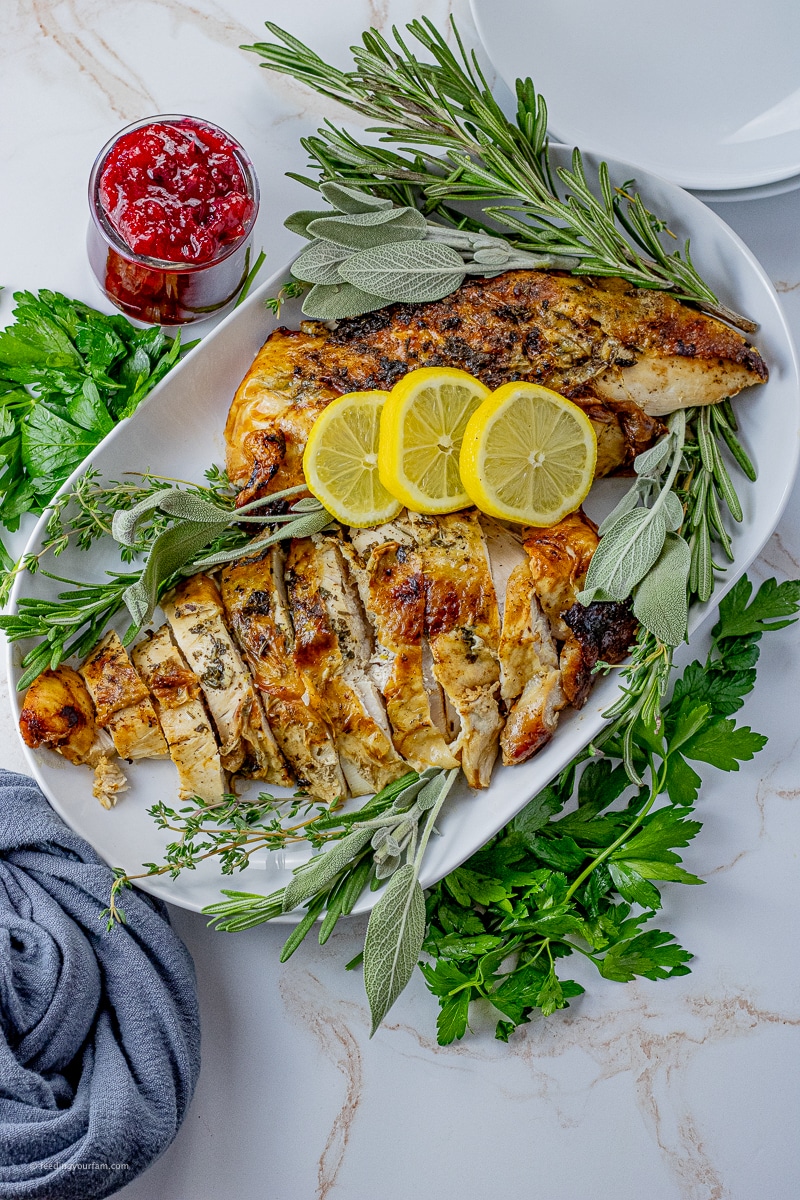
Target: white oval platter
x: 178, y: 432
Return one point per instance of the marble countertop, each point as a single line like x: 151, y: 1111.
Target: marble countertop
x: 681, y: 1090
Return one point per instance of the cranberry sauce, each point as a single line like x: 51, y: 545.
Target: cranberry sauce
x: 173, y: 201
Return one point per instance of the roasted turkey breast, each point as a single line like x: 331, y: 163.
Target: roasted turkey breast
x: 388, y: 570
x: 58, y: 713
x: 197, y: 618
x: 338, y: 662
x: 122, y: 702
x: 176, y: 695
x: 331, y: 651
x: 462, y: 628
x: 257, y: 608
x: 625, y: 354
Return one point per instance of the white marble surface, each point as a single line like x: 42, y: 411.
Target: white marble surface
x: 679, y: 1090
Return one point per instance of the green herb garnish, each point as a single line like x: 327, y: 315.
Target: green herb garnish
x: 384, y: 840
x: 368, y: 253
x: 68, y: 374
x: 658, y: 545
x: 446, y: 105
x: 182, y: 529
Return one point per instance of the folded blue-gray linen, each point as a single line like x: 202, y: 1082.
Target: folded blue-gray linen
x: 99, y: 1030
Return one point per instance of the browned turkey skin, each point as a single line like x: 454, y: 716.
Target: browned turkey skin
x: 624, y: 354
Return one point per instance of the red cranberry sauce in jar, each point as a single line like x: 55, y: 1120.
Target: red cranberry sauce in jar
x: 174, y: 200
x: 175, y: 191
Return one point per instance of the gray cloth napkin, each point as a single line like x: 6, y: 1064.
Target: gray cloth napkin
x: 99, y: 1031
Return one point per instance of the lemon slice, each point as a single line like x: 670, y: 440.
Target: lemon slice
x: 528, y: 455
x: 340, y: 461
x: 422, y: 427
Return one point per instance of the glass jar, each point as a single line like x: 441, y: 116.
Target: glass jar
x: 190, y: 282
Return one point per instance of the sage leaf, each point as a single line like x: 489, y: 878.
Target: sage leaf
x: 308, y: 504
x: 494, y: 257
x: 350, y: 200
x: 628, y: 502
x: 361, y: 231
x: 337, y: 301
x: 394, y: 941
x: 298, y: 222
x: 320, y: 262
x: 303, y: 526
x: 386, y: 866
x: 405, y: 798
x: 323, y: 868
x: 125, y: 524
x: 186, y: 507
x: 432, y: 791
x: 648, y: 462
x: 171, y: 550
x: 411, y: 272
x: 625, y: 555
x: 661, y: 601
x: 673, y: 512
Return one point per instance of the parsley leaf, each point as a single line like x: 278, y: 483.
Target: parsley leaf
x: 67, y: 374
x: 682, y: 781
x: 721, y: 689
x: 452, y: 1020
x: 773, y: 607
x: 536, y: 814
x: 466, y: 885
x: 654, y: 955
x: 724, y: 745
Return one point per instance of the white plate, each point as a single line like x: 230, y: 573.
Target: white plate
x: 178, y: 432
x: 706, y: 94
x: 764, y: 191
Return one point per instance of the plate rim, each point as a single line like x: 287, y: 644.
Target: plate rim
x: 594, y: 721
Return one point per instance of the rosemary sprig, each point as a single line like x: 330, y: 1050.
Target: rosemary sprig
x: 70, y: 624
x: 504, y: 166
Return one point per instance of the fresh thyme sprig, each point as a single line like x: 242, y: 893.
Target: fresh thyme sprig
x: 505, y: 166
x: 232, y: 831
x: 289, y: 291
